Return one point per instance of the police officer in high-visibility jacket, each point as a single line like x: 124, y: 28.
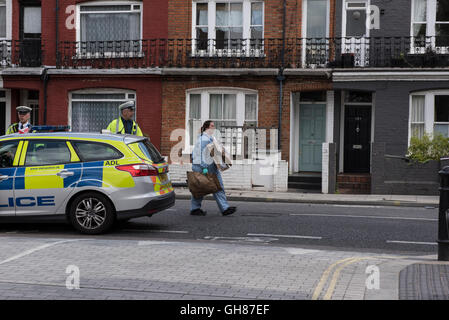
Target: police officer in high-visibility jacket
x: 24, y: 125
x: 125, y: 124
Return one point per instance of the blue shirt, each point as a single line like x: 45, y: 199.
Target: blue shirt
x: 200, y: 156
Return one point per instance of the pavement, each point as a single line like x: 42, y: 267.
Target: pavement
x: 318, y: 198
x: 89, y: 268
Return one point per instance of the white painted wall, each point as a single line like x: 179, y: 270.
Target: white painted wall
x: 241, y: 175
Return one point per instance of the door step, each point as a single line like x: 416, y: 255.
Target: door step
x: 354, y: 183
x: 305, y: 182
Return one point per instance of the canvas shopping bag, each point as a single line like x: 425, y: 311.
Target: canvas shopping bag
x: 201, y: 185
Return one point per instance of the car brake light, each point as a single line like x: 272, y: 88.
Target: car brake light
x: 138, y: 170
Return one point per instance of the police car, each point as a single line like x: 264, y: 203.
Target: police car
x: 91, y: 180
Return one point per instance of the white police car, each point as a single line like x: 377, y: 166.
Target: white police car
x: 88, y: 179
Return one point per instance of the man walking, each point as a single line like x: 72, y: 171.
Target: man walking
x: 125, y: 124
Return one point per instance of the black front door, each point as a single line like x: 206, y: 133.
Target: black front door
x: 30, y: 34
x: 357, y: 139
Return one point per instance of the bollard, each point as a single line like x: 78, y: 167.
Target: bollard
x: 443, y: 216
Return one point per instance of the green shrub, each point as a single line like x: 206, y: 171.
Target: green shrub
x: 426, y: 148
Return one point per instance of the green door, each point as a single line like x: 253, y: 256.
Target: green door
x: 312, y: 121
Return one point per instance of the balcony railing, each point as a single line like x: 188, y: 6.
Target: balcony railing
x: 25, y: 53
x: 349, y: 52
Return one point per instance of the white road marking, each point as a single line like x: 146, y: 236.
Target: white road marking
x: 413, y: 242
x: 42, y: 247
x: 295, y: 251
x: 362, y: 217
x: 283, y: 236
x: 150, y: 243
x: 241, y: 239
x: 157, y: 231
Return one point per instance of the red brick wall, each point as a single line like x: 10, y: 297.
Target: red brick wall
x: 154, y: 19
x: 148, y: 92
x: 174, y: 102
x: 147, y: 88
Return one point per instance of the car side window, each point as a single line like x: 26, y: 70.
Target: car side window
x: 94, y: 151
x: 43, y: 152
x: 7, y: 153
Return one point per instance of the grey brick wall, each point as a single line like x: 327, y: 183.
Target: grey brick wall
x: 391, y: 105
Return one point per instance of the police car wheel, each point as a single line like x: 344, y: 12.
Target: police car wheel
x: 91, y: 213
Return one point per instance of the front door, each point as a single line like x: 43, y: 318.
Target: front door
x: 30, y: 35
x: 312, y: 121
x: 357, y: 139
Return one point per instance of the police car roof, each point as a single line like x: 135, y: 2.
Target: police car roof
x: 127, y: 138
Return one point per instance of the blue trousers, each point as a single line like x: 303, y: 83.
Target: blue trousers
x: 219, y: 196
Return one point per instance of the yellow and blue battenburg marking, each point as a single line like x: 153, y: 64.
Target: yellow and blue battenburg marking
x: 7, y: 184
x: 102, y: 174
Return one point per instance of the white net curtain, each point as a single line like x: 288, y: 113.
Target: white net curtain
x: 417, y: 116
x: 121, y: 29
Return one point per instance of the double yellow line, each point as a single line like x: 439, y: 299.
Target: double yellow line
x: 333, y: 282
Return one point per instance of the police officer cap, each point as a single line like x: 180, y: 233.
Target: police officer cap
x: 126, y: 105
x: 23, y: 109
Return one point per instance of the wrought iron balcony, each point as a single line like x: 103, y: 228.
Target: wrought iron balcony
x: 309, y: 53
x: 350, y: 52
x: 25, y: 53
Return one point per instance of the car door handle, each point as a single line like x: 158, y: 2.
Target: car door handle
x: 65, y: 173
x: 4, y: 178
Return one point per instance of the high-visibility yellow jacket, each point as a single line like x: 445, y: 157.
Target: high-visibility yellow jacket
x: 115, y: 127
x: 14, y: 128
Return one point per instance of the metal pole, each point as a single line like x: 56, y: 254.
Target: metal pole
x: 281, y: 76
x: 443, y: 216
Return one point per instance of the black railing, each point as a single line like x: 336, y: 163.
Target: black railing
x: 355, y: 52
x: 25, y: 53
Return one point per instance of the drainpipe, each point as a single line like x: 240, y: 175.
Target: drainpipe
x: 45, y: 78
x: 57, y: 32
x: 280, y: 76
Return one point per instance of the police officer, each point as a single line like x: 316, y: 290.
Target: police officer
x: 125, y: 124
x: 24, y: 125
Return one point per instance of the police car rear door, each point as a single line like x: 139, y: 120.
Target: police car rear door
x: 9, y: 155
x: 49, y: 172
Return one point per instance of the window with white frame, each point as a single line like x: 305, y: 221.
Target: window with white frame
x: 110, y: 26
x: 429, y: 113
x: 430, y: 23
x: 417, y: 124
x: 226, y: 107
x: 227, y: 25
x: 93, y: 110
x: 2, y: 19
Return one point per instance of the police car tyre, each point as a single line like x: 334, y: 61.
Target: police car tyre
x: 91, y: 213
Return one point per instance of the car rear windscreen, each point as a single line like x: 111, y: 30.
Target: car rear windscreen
x: 146, y: 150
